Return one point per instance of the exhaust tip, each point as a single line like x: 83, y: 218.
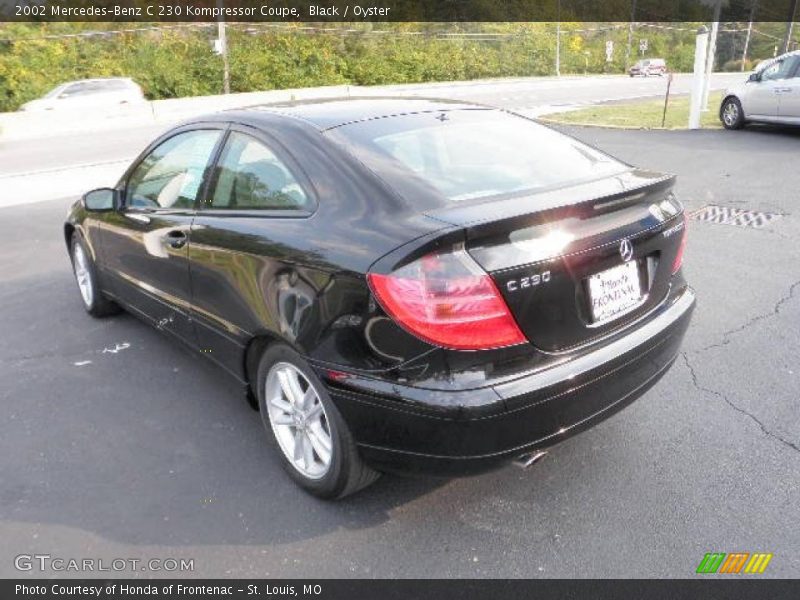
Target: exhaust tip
x: 527, y: 460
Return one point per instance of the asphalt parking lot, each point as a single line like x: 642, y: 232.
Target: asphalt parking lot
x: 115, y: 442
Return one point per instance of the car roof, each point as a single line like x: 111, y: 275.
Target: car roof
x: 771, y: 61
x: 335, y: 112
x: 98, y: 79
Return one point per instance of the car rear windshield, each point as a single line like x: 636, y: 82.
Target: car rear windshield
x: 472, y: 154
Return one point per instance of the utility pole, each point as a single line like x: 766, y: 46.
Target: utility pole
x: 749, y: 34
x: 630, y: 35
x: 558, y: 40
x: 223, y: 50
x: 790, y: 26
x: 712, y: 52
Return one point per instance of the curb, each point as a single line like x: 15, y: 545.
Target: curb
x: 622, y: 127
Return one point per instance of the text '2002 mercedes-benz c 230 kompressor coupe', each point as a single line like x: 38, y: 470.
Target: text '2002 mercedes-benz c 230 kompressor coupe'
x: 403, y: 284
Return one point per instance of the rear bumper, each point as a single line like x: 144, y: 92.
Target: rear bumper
x: 535, y: 411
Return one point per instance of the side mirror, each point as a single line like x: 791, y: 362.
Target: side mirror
x: 101, y: 199
x: 754, y: 77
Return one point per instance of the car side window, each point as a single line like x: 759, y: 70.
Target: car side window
x: 170, y: 176
x: 796, y: 74
x: 251, y: 177
x: 779, y: 70
x: 76, y: 89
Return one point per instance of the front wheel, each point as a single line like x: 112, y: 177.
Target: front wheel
x: 731, y: 114
x: 95, y: 303
x: 316, y: 447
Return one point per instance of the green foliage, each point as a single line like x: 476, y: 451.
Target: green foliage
x: 736, y: 65
x: 639, y: 114
x: 171, y: 63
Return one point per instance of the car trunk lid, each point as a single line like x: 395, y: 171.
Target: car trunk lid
x: 577, y: 263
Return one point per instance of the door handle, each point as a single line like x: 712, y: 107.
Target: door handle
x: 177, y: 238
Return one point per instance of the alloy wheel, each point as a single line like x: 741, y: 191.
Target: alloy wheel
x: 730, y: 114
x: 83, y: 275
x: 298, y: 420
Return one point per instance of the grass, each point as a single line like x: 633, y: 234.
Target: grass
x: 641, y: 114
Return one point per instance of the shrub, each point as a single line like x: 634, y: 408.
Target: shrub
x: 736, y: 65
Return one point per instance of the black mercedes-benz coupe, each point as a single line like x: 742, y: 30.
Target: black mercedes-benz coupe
x: 406, y: 285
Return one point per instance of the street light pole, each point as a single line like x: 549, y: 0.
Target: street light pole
x: 696, y: 104
x: 712, y: 51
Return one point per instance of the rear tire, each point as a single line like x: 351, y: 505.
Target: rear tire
x: 731, y: 113
x: 83, y: 267
x: 315, y: 446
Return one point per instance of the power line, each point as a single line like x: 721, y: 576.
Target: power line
x: 311, y: 30
x: 107, y: 32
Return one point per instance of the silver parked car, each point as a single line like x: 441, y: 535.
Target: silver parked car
x: 648, y: 66
x: 770, y: 95
x: 89, y: 94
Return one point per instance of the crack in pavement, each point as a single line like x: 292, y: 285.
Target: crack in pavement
x: 730, y: 403
x: 776, y: 309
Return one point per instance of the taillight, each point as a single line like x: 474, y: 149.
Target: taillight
x: 446, y: 299
x: 676, y: 264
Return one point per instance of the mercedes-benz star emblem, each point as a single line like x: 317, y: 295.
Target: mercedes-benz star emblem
x: 626, y: 250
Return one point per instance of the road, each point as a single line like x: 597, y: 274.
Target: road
x: 532, y: 95
x: 537, y: 95
x: 114, y: 442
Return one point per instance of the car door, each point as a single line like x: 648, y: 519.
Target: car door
x: 146, y: 242
x: 245, y: 275
x: 789, y: 107
x: 763, y: 96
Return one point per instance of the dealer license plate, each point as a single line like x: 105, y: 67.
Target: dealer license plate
x: 614, y: 291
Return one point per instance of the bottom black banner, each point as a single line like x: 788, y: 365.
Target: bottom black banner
x: 422, y: 589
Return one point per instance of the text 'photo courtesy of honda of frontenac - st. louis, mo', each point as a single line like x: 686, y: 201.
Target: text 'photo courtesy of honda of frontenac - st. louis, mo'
x: 401, y: 285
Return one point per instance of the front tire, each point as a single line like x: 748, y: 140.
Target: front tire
x: 83, y: 267
x: 731, y: 114
x: 316, y: 448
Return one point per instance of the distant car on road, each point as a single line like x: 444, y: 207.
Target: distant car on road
x: 403, y: 284
x: 770, y: 95
x: 648, y: 66
x: 88, y: 94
